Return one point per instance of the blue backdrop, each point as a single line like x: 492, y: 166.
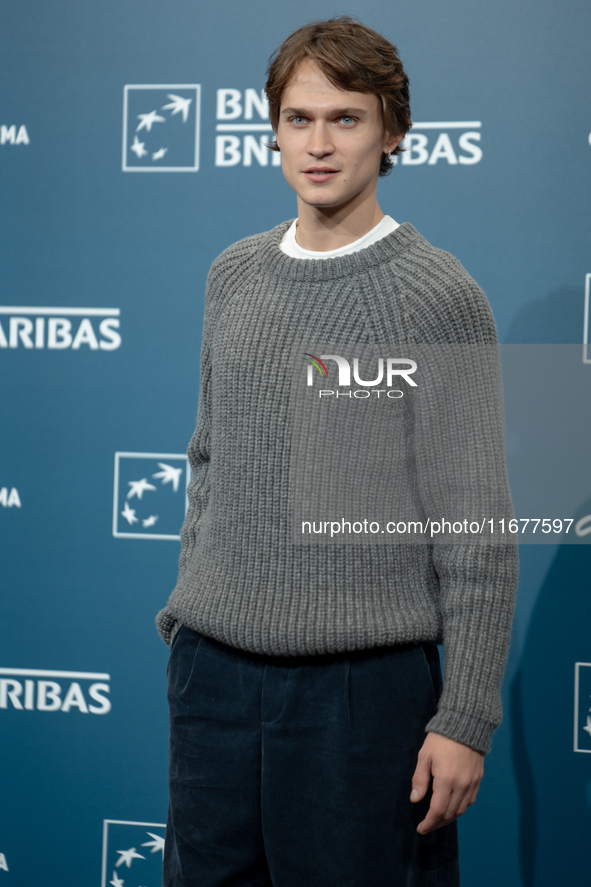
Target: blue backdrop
x: 130, y: 157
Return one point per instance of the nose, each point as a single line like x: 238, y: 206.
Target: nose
x: 320, y: 143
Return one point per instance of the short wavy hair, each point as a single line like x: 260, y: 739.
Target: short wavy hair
x: 353, y: 58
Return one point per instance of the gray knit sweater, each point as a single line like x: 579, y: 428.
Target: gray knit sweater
x: 242, y: 580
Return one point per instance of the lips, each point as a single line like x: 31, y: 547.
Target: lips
x: 320, y: 173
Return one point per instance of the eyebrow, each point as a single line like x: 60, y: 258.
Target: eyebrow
x: 336, y: 112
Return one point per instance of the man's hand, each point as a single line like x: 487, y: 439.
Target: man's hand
x: 456, y: 770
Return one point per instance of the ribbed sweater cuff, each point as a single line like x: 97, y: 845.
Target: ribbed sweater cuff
x: 463, y: 727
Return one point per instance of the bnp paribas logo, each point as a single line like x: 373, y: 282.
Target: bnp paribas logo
x: 161, y: 127
x: 132, y: 853
x: 582, y: 707
x: 149, y: 495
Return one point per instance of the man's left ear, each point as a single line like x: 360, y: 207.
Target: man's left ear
x: 392, y: 143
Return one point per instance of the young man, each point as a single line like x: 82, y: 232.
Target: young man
x: 312, y: 743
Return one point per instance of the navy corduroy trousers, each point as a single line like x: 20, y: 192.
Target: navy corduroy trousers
x: 296, y: 771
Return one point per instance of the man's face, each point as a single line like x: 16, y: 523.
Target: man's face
x: 331, y: 140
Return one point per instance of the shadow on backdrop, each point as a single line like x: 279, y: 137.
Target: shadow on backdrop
x: 553, y: 780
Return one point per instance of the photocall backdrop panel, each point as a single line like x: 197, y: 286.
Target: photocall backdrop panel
x: 132, y: 153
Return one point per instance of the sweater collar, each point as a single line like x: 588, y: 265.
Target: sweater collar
x: 275, y: 262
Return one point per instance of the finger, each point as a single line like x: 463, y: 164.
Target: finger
x: 475, y: 788
x: 470, y: 797
x: 421, y: 778
x: 461, y: 797
x: 458, y: 804
x: 463, y: 807
x: 436, y: 814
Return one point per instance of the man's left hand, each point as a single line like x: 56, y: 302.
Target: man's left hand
x: 457, y: 771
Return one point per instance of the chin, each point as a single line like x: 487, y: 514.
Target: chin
x: 323, y: 199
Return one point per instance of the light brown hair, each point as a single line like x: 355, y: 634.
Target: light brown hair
x: 353, y: 58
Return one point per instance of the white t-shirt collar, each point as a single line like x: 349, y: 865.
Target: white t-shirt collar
x: 291, y: 247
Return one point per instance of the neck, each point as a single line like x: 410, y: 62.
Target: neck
x: 326, y: 228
